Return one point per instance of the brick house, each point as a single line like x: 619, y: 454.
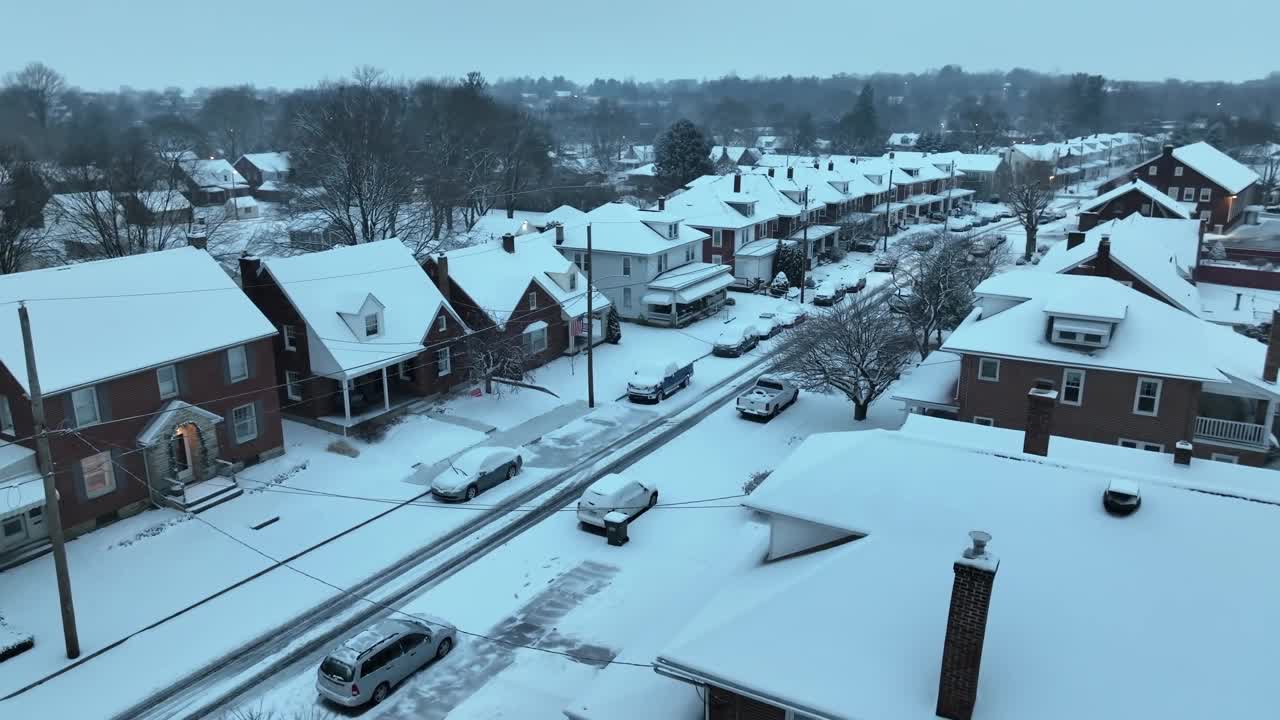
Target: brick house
x: 521, y: 290
x: 1199, y: 174
x: 1136, y: 196
x: 1129, y: 369
x: 362, y: 331
x: 267, y: 173
x: 154, y: 394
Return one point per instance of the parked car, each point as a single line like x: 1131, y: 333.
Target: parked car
x: 825, y: 294
x: 768, y: 325
x: 864, y: 243
x: 365, y: 668
x: 981, y: 221
x: 735, y: 340
x: 768, y: 397
x: 959, y: 225
x: 658, y: 381
x: 922, y: 242
x: 885, y: 264
x: 853, y: 288
x: 790, y: 315
x: 615, y: 492
x: 937, y: 217
x: 475, y: 471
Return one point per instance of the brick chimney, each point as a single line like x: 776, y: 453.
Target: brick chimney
x: 511, y: 213
x: 1168, y: 151
x: 737, y: 182
x: 662, y: 201
x: 509, y: 243
x: 1102, y: 263
x: 1040, y: 402
x: 1088, y: 221
x: 770, y: 172
x: 250, y: 268
x: 442, y: 275
x: 1182, y: 452
x: 198, y: 237
x: 560, y: 231
x: 1272, y: 366
x: 831, y: 164
x: 975, y: 574
x: 791, y: 173
x: 890, y: 154
x: 1075, y: 238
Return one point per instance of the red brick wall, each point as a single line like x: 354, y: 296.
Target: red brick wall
x: 1244, y: 277
x: 725, y: 251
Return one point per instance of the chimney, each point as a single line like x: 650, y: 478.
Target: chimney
x: 442, y: 275
x: 1075, y: 238
x: 1168, y: 151
x: 250, y: 268
x: 1040, y: 402
x: 1088, y: 221
x: 662, y: 200
x: 560, y: 228
x: 1182, y: 452
x: 198, y: 237
x: 791, y: 173
x: 890, y: 154
x: 1272, y: 366
x: 509, y: 243
x: 737, y: 183
x: 1102, y: 263
x: 511, y: 213
x: 770, y: 172
x: 1239, y: 296
x: 831, y: 164
x: 816, y: 164
x: 975, y: 573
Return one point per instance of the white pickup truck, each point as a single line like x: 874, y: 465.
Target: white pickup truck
x: 768, y: 397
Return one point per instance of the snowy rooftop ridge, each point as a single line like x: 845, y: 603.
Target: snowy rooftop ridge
x: 1216, y: 165
x: 1143, y: 187
x: 277, y: 162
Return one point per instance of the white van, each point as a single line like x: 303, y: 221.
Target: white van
x: 615, y: 492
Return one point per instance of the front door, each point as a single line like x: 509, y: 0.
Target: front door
x: 183, y: 452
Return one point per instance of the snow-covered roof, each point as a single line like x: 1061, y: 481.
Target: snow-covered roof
x: 1153, y: 338
x: 214, y: 174
x: 243, y: 202
x: 162, y: 422
x: 623, y: 228
x: 323, y: 286
x: 1161, y: 252
x: 646, y: 170
x: 163, y: 201
x: 1041, y: 153
x: 21, y: 486
x: 710, y: 201
x: 1216, y: 165
x: 277, y: 162
x: 688, y: 274
x: 496, y: 280
x: 1137, y: 185
x: 933, y: 381
x: 495, y: 223
x: 135, y: 312
x: 865, y: 621
x: 903, y: 138
x: 968, y: 162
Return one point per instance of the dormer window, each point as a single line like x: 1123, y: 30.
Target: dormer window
x: 673, y: 231
x: 371, y: 325
x: 1081, y: 332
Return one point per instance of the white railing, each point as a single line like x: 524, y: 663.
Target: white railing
x: 1230, y: 431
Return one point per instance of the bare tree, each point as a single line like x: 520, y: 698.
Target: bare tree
x: 23, y: 237
x: 934, y: 283
x: 41, y: 86
x: 491, y: 354
x: 856, y: 349
x: 1268, y: 167
x: 1028, y: 203
x: 234, y: 118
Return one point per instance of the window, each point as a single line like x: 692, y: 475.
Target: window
x: 443, y: 362
x: 1146, y: 399
x: 1141, y: 445
x: 290, y: 334
x: 1188, y: 194
x: 533, y: 301
x: 237, y: 364
x: 99, y: 475
x: 688, y: 253
x: 673, y: 231
x: 244, y: 420
x: 717, y: 240
x: 1072, y: 387
x: 989, y: 369
x: 402, y: 369
x: 626, y: 297
x: 626, y: 266
x: 1206, y: 215
x: 717, y: 260
x: 12, y: 526
x: 167, y: 378
x: 1146, y: 209
x: 1224, y: 457
x: 293, y: 384
x: 6, y: 416
x: 1177, y: 172
x: 1206, y: 194
x: 85, y: 404
x: 371, y: 325
x: 1173, y: 191
x: 535, y: 340
x: 1152, y: 170
x: 583, y: 262
x: 662, y: 263
x: 979, y: 420
x: 1067, y: 335
x: 442, y: 322
x: 1096, y: 339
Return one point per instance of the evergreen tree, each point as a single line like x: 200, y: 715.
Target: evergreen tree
x: 859, y: 129
x: 682, y: 154
x: 789, y: 260
x: 613, y: 327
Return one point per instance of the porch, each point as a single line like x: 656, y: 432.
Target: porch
x: 181, y: 452
x: 1235, y: 421
x: 373, y: 394
x: 685, y: 294
x: 681, y: 314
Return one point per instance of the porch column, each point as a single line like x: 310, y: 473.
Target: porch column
x: 1271, y: 416
x: 386, y: 394
x: 346, y: 402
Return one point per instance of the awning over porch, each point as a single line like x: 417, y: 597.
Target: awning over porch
x: 22, y: 488
x: 931, y: 384
x: 957, y: 193
x: 691, y: 293
x: 161, y: 426
x: 919, y: 200
x: 881, y: 208
x: 815, y: 232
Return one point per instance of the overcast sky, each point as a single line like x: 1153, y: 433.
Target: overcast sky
x: 99, y: 44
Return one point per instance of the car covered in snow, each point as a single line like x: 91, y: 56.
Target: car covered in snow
x: 475, y: 471
x: 789, y: 315
x: 658, y: 380
x: 735, y: 340
x: 364, y: 668
x: 768, y: 397
x: 885, y: 264
x: 615, y: 492
x: 767, y: 325
x: 826, y: 294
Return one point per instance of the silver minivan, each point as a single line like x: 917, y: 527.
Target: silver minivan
x: 365, y: 668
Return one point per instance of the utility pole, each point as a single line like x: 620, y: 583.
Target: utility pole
x: 804, y: 233
x: 888, y: 205
x: 52, y: 516
x: 591, y: 328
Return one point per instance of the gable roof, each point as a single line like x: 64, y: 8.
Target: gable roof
x: 623, y: 228
x: 213, y: 174
x: 496, y: 280
x: 1139, y: 186
x: 1216, y: 165
x: 131, y: 313
x: 277, y: 162
x: 864, y: 622
x: 322, y: 286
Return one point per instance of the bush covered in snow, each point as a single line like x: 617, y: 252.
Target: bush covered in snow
x: 1217, y: 251
x: 13, y: 641
x: 342, y: 447
x: 1042, y: 248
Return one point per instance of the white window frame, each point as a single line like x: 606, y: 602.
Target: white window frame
x: 984, y: 378
x: 292, y: 382
x: 1225, y: 457
x: 1138, y: 396
x: 244, y: 363
x: 626, y: 297
x: 673, y: 231
x: 1152, y: 170
x: 533, y: 300
x: 242, y: 438
x: 100, y: 462
x: 6, y: 416
x: 717, y: 238
x: 1140, y: 445
x: 402, y: 369
x: 1206, y: 215
x: 626, y: 266
x: 1066, y: 374
x: 1177, y: 171
x: 717, y: 259
x: 662, y: 263
x: 160, y: 381
x: 983, y: 420
x: 1188, y: 194
x: 444, y: 362
x: 376, y: 322
x: 1206, y: 194
x: 1173, y: 191
x: 534, y: 346
x: 442, y: 322
x: 77, y: 403
x: 290, y: 335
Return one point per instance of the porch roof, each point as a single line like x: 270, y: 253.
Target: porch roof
x: 816, y: 232
x: 21, y: 487
x: 690, y: 293
x: 932, y: 383
x: 163, y: 421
